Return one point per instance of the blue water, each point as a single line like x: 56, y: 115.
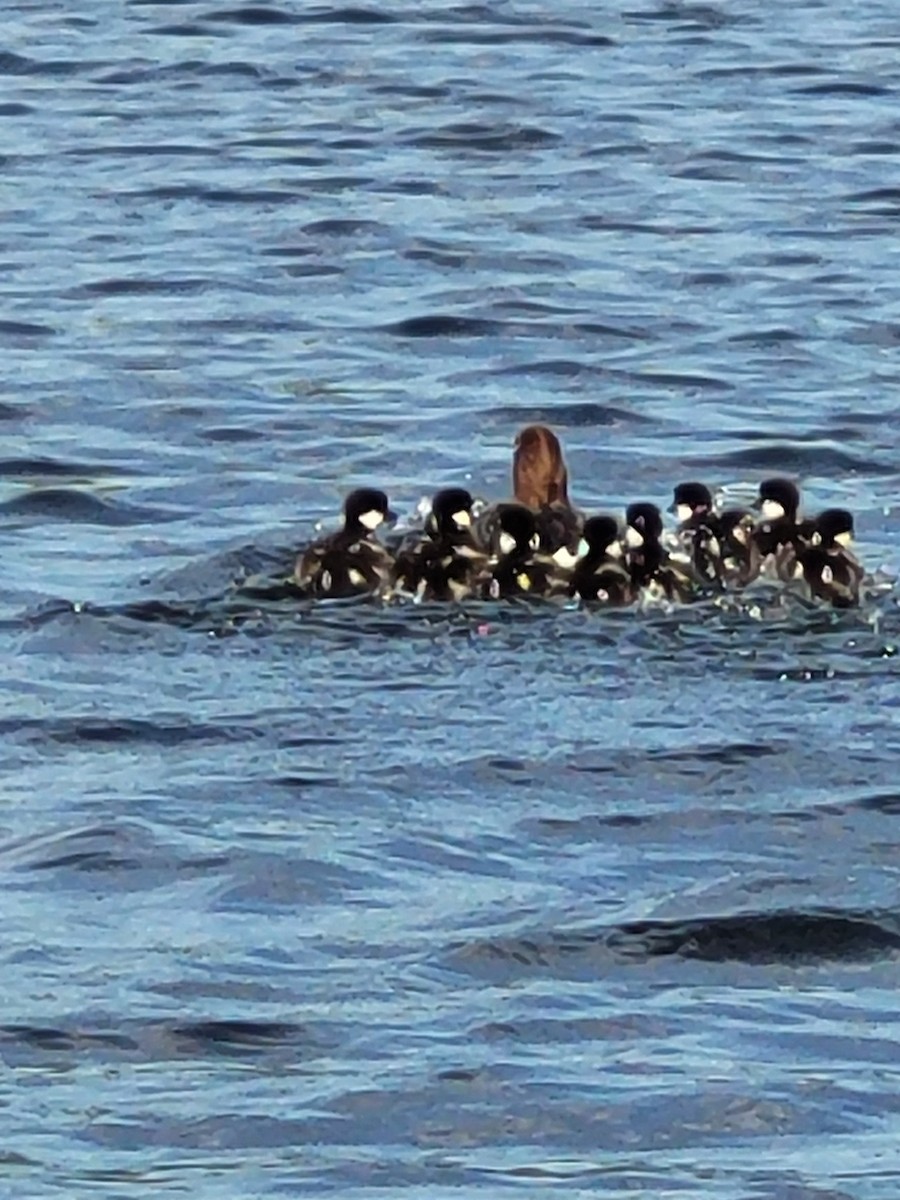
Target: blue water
x: 340, y: 900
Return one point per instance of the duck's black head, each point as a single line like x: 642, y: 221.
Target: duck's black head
x: 366, y: 509
x: 835, y: 527
x: 518, y: 530
x: 691, y: 500
x: 600, y: 533
x: 778, y: 499
x: 645, y: 522
x: 451, y: 512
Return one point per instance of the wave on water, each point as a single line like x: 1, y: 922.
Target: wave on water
x: 793, y: 937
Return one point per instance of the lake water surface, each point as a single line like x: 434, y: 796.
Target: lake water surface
x: 414, y: 902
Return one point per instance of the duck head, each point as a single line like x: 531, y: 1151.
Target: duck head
x: 451, y: 513
x: 539, y: 469
x: 691, y: 500
x: 644, y: 525
x: 518, y: 531
x: 601, y: 534
x: 834, y: 527
x: 365, y: 509
x: 778, y: 499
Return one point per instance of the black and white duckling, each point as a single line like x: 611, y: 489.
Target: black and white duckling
x: 648, y: 563
x: 698, y: 532
x: 442, y: 563
x: 600, y: 574
x: 350, y: 562
x: 828, y: 567
x: 780, y: 531
x: 518, y: 569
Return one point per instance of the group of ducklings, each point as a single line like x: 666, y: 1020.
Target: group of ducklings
x: 539, y: 545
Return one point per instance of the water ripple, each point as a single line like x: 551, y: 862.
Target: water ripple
x: 343, y: 897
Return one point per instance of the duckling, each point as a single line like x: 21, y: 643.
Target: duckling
x: 444, y: 563
x: 648, y: 564
x: 828, y: 566
x: 540, y: 482
x: 600, y: 574
x: 780, y: 531
x: 518, y: 569
x: 350, y: 562
x: 699, y: 532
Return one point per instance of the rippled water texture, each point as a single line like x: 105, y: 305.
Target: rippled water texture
x: 333, y: 900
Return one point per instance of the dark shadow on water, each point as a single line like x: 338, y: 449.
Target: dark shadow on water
x: 791, y: 937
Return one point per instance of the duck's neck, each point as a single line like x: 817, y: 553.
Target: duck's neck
x: 595, y: 556
x: 356, y: 530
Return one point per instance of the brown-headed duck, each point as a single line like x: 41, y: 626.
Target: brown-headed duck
x: 541, y: 483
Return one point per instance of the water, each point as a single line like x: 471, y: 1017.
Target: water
x: 304, y: 901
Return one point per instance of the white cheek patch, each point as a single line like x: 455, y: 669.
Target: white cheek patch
x: 615, y: 550
x: 372, y: 519
x: 683, y: 512
x: 564, y: 558
x: 462, y: 519
x: 771, y: 510
x: 827, y: 576
x: 844, y: 539
x: 535, y: 542
x: 633, y: 539
x: 507, y: 543
x: 356, y: 577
